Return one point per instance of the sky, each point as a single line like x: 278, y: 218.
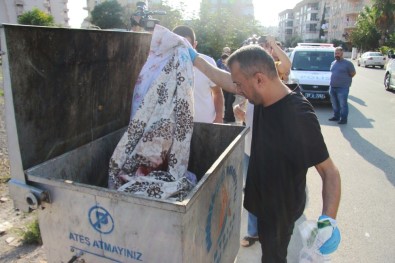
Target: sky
x: 266, y: 13
x: 76, y: 12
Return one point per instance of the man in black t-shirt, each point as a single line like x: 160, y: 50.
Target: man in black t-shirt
x: 286, y: 141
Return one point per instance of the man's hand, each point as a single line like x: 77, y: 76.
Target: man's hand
x: 328, y: 236
x: 239, y: 113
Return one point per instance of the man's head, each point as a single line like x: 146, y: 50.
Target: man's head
x: 224, y: 56
x: 226, y: 50
x: 251, y: 68
x: 338, y: 53
x: 187, y: 33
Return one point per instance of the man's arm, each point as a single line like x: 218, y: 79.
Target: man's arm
x: 218, y: 98
x: 285, y: 66
x: 220, y: 77
x: 331, y: 187
x: 352, y: 70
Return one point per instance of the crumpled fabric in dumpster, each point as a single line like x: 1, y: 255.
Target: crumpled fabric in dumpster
x: 152, y: 156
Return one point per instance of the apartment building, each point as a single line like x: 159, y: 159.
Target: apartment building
x: 336, y: 18
x: 10, y: 10
x: 342, y: 16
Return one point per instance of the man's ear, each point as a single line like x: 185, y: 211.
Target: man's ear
x: 260, y: 78
x: 195, y: 44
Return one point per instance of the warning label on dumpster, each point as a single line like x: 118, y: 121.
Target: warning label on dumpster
x: 101, y: 221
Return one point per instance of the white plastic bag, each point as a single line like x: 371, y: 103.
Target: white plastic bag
x: 310, y: 252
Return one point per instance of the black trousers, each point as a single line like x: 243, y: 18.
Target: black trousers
x: 274, y: 238
x: 229, y: 99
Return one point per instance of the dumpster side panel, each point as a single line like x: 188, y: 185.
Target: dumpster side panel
x: 70, y: 86
x: 212, y: 225
x: 98, y: 229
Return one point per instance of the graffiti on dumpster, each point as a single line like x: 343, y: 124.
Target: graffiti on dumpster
x: 219, y: 231
x: 101, y: 220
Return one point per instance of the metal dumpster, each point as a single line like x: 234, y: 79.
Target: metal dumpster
x: 68, y: 98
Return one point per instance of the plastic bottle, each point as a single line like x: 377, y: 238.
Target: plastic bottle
x: 310, y: 252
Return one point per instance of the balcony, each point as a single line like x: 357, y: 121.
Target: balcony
x: 312, y: 21
x: 350, y: 24
x: 353, y: 9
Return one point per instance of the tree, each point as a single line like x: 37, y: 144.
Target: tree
x: 173, y: 16
x: 385, y: 13
x: 36, y: 17
x: 293, y: 41
x: 366, y: 35
x: 108, y: 15
x: 225, y: 27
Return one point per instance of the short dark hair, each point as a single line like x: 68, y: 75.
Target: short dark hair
x: 185, y: 31
x: 253, y: 59
x: 224, y: 56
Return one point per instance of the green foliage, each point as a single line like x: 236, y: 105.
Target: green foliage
x: 32, y: 235
x: 108, y: 14
x: 366, y: 35
x: 172, y: 18
x: 223, y: 28
x: 36, y: 17
x: 375, y: 26
x: 340, y: 43
x: 385, y: 18
x: 384, y: 49
x: 293, y: 41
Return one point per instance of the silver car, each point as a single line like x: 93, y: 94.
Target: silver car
x: 372, y: 59
x: 389, y: 77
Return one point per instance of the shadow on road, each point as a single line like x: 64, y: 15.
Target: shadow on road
x: 363, y: 147
x: 370, y: 152
x: 357, y: 100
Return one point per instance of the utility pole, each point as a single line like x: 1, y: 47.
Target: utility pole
x: 322, y: 33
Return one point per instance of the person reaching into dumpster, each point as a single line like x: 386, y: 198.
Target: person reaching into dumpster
x: 208, y: 97
x: 283, y: 66
x: 286, y: 141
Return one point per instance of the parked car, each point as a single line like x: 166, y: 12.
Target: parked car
x: 372, y: 59
x: 389, y: 77
x: 310, y: 69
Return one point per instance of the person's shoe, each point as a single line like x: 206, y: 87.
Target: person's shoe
x: 248, y: 241
x: 342, y: 121
x: 334, y: 119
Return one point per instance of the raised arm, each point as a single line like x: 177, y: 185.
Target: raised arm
x: 220, y: 77
x: 285, y: 66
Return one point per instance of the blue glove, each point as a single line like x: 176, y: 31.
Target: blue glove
x: 328, y: 236
x: 192, y: 53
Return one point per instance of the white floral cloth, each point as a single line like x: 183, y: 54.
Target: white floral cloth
x: 151, y: 158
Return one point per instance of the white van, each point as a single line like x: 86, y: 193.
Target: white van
x: 310, y: 69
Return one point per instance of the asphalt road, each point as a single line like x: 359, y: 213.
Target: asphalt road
x: 364, y: 151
